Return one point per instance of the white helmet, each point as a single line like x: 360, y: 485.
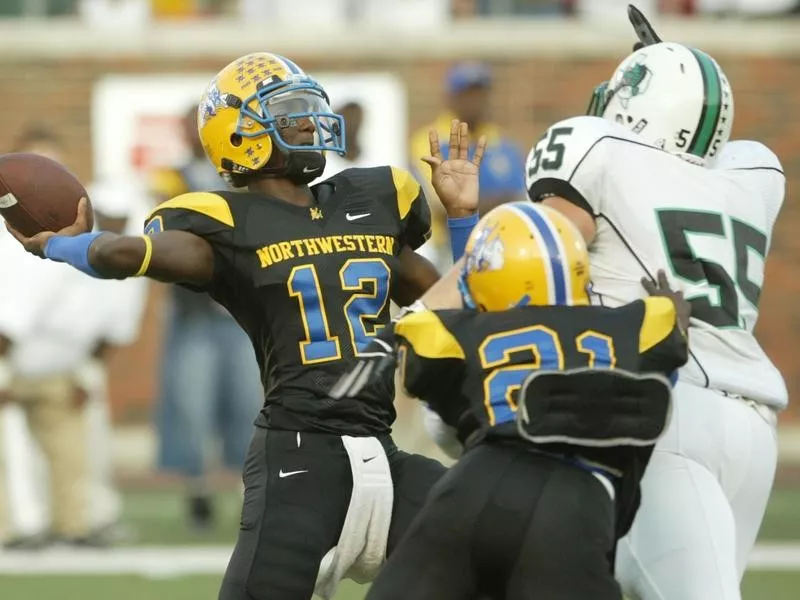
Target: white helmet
x: 677, y: 98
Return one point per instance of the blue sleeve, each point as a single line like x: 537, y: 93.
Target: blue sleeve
x: 73, y: 250
x: 459, y: 233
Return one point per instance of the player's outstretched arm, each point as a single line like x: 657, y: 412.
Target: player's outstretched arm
x: 174, y: 257
x: 444, y: 293
x: 170, y: 256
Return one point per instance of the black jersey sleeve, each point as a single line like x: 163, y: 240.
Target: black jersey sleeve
x: 430, y: 359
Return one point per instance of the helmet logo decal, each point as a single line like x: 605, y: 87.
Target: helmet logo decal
x: 487, y: 254
x: 212, y: 100
x: 633, y: 82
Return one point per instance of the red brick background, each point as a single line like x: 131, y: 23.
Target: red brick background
x: 530, y: 95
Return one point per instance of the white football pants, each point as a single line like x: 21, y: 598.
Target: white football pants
x: 704, y: 494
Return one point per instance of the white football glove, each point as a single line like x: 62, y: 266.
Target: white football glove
x: 372, y: 365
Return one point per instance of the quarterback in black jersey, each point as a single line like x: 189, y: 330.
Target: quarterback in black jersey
x: 308, y: 273
x: 558, y: 404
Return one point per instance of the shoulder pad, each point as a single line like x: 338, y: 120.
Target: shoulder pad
x: 404, y: 186
x: 180, y: 213
x: 428, y: 336
x: 407, y: 188
x: 746, y: 154
x: 204, y: 203
x: 563, y: 147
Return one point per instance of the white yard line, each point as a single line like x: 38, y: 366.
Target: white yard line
x: 155, y: 561
x: 174, y: 561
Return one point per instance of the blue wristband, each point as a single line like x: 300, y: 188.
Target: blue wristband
x: 459, y: 233
x: 73, y: 250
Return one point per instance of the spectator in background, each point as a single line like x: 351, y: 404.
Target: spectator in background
x: 353, y: 114
x: 502, y: 179
x: 55, y: 333
x: 209, y: 378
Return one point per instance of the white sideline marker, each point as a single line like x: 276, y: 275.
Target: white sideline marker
x: 176, y: 561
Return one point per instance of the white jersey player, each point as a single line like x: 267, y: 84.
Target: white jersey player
x: 653, y: 183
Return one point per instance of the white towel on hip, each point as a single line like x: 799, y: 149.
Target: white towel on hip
x: 361, y: 548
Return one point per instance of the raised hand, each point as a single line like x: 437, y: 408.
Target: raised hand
x: 455, y: 179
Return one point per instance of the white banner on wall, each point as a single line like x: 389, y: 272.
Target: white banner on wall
x: 136, y: 118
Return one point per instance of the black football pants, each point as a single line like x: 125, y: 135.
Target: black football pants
x: 297, y: 491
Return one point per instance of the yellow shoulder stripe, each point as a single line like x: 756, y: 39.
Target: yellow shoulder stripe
x: 428, y: 336
x: 205, y: 203
x: 407, y: 190
x: 658, y: 322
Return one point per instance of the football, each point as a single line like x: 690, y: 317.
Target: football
x: 38, y: 194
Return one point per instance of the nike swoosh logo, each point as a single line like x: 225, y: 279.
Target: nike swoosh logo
x: 366, y: 460
x: 311, y: 170
x: 350, y: 217
x: 283, y: 473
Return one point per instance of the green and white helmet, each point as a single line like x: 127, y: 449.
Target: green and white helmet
x: 677, y: 98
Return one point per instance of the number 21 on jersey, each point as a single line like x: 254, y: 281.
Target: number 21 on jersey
x: 363, y: 306
x: 496, y: 353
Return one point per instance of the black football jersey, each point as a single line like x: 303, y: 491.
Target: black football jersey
x: 310, y: 285
x: 470, y: 367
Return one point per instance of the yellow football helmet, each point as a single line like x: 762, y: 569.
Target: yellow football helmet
x: 522, y: 254
x: 247, y: 105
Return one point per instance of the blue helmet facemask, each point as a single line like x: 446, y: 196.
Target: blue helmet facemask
x: 279, y: 105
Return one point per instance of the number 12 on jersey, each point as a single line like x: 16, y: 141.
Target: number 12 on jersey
x: 363, y: 305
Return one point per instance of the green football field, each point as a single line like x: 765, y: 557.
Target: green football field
x: 165, y: 561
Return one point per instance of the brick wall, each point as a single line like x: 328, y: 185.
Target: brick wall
x: 530, y: 95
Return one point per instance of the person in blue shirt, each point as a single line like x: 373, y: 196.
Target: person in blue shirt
x: 502, y: 173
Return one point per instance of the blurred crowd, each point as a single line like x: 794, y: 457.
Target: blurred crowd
x: 416, y: 12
